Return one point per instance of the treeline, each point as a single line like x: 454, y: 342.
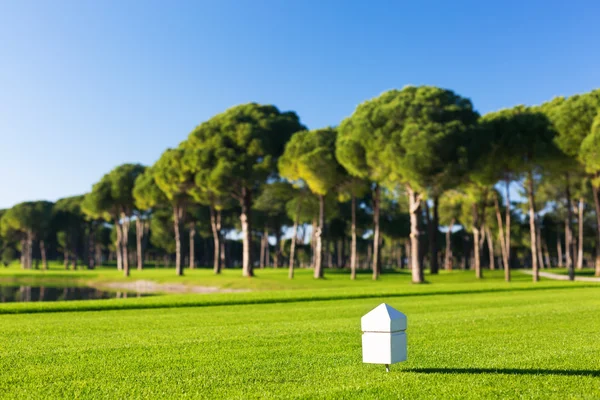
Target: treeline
x: 413, y: 178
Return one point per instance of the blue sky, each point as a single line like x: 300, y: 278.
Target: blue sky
x: 87, y: 85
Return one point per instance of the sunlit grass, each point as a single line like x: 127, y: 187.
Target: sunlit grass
x: 231, y: 278
x: 587, y: 271
x: 471, y: 342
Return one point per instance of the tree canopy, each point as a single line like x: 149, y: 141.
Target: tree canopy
x: 310, y: 157
x: 234, y: 152
x: 421, y: 145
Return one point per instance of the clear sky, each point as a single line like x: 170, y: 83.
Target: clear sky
x: 86, y: 85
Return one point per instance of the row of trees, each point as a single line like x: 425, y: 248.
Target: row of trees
x: 406, y: 171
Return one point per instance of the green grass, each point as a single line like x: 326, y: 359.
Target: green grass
x: 467, y: 339
x: 509, y: 344
x: 269, y: 286
x: 266, y: 280
x: 589, y: 272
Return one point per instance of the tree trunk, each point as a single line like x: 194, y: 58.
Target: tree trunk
x: 223, y: 254
x: 30, y: 249
x: 482, y: 237
x: 573, y: 243
x: 139, y: 235
x: 414, y: 206
x: 568, y: 232
x: 278, y: 245
x: 532, y: 229
x: 318, y: 273
x: 246, y: 203
x: 91, y: 245
x: 118, y: 245
x: 293, y: 247
x: 580, y: 234
x: 433, y: 230
x: 177, y: 214
x: 546, y: 254
x: 568, y: 260
x: 507, y: 220
x: 353, y: 245
x: 263, y: 249
x: 28, y: 254
x: 192, y: 245
x: 429, y: 224
x: 540, y: 255
x: 267, y: 249
x: 448, y: 253
x: 490, y: 242
x: 66, y: 259
x: 466, y: 252
x: 124, y: 243
x: 23, y: 249
x: 43, y: 254
x: 313, y: 242
x: 376, y: 265
x: 476, y: 238
x: 215, y: 224
x: 597, y: 205
x: 146, y: 238
x: 422, y: 243
x: 476, y: 253
x: 98, y: 254
x: 559, y: 252
x: 503, y: 248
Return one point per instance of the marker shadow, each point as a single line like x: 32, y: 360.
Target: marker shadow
x: 506, y: 371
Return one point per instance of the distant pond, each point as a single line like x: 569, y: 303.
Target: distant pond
x: 21, y: 293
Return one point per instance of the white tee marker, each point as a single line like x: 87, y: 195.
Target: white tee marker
x: 384, y: 336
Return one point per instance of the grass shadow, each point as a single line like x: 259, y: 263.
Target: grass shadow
x: 506, y: 371
x: 369, y: 271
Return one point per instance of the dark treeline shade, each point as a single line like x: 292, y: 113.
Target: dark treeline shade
x: 412, y: 179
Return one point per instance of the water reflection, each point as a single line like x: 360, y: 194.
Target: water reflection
x: 45, y: 293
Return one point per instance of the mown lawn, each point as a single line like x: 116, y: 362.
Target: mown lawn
x: 265, y: 279
x: 466, y: 340
x: 589, y: 271
x: 268, y: 286
x: 231, y: 278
